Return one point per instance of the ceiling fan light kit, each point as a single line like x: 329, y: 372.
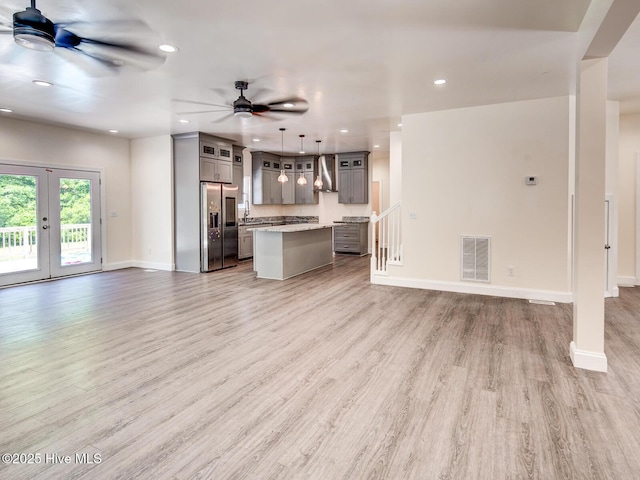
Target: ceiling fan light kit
x: 33, y: 30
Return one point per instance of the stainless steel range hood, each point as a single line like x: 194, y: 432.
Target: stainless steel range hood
x: 327, y: 172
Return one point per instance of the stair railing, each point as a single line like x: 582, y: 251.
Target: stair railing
x: 386, y: 238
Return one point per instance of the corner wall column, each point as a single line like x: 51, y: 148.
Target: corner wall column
x: 587, y: 347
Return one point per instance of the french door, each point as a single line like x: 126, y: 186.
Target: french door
x: 49, y: 223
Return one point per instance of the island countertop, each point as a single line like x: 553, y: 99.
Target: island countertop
x: 284, y: 251
x: 296, y: 227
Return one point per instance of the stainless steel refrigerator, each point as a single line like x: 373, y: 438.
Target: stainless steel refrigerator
x: 219, y: 226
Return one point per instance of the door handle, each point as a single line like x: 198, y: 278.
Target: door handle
x: 607, y: 247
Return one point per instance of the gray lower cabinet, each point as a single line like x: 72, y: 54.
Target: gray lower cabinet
x: 351, y: 238
x: 245, y: 243
x: 353, y: 177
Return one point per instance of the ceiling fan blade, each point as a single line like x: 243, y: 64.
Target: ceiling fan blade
x: 222, y: 119
x: 6, y: 17
x: 194, y: 102
x: 201, y: 111
x: 222, y: 93
x: 260, y: 108
x: 258, y: 94
x: 292, y: 111
x: 121, y: 54
x: 94, y: 67
x: 296, y: 101
x: 266, y: 117
x: 129, y: 28
x: 294, y: 105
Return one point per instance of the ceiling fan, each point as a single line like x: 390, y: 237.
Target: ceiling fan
x: 34, y: 31
x: 242, y: 107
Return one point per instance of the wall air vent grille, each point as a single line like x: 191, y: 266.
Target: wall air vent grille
x: 475, y: 253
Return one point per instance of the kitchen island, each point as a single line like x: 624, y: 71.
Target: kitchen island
x: 284, y: 251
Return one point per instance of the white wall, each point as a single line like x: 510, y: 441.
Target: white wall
x: 629, y: 147
x: 463, y: 173
x: 395, y: 168
x: 30, y: 143
x: 152, y: 202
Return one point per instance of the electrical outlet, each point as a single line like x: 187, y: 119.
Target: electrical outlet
x: 511, y: 271
x: 412, y: 215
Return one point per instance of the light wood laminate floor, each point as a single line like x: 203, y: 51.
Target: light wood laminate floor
x: 163, y: 375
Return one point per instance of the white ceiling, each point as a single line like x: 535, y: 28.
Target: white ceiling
x: 360, y: 64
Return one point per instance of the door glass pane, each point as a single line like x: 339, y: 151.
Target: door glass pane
x: 75, y: 221
x: 18, y: 233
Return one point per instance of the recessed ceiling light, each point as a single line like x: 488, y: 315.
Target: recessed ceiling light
x: 113, y: 131
x: 256, y: 139
x: 42, y: 83
x: 168, y: 48
x: 399, y: 124
x: 182, y: 120
x: 376, y: 146
x: 344, y: 130
x: 287, y: 105
x: 440, y: 81
x: 6, y: 110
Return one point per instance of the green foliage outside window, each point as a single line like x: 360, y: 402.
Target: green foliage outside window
x: 18, y: 201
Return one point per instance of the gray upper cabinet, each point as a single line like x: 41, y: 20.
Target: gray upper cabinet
x: 216, y: 171
x: 238, y: 172
x: 265, y: 171
x: 216, y: 163
x: 288, y: 188
x: 306, y: 166
x: 266, y: 168
x: 353, y: 177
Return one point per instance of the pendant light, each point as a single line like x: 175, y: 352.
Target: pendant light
x: 282, y: 178
x: 301, y: 179
x: 318, y: 183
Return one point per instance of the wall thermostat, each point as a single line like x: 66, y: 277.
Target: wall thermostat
x: 531, y: 180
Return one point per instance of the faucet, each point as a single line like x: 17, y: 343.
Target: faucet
x: 246, y: 207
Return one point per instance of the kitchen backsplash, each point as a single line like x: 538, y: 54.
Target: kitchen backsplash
x: 278, y: 219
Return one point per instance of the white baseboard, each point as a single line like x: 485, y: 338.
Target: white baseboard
x: 627, y: 281
x: 116, y: 266
x: 479, y: 289
x: 612, y: 293
x: 153, y: 266
x: 588, y: 360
